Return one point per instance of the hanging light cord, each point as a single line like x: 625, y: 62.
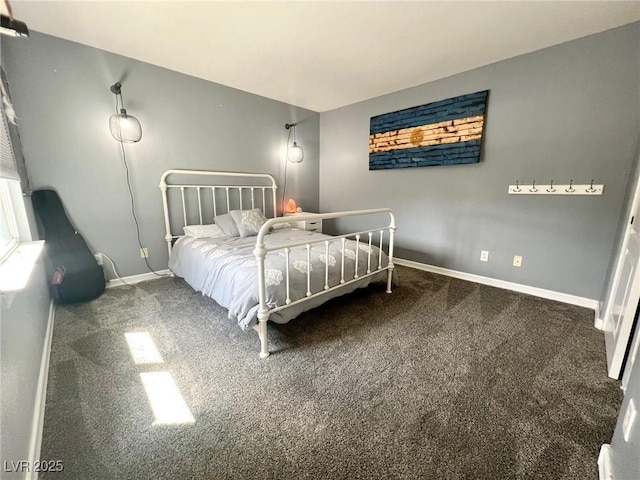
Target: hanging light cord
x: 121, y: 102
x: 133, y: 205
x: 286, y: 162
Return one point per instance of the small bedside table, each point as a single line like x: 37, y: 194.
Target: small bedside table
x: 310, y: 225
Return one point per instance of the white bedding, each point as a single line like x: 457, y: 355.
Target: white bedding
x: 225, y: 269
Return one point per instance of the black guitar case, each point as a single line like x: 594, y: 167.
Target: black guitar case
x: 73, y: 272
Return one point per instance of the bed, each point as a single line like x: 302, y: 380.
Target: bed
x: 236, y: 250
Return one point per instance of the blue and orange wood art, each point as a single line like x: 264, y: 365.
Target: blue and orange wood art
x: 447, y: 132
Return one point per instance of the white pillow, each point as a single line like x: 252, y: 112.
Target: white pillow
x: 204, y: 231
x: 278, y: 226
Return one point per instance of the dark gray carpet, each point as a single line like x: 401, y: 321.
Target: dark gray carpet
x: 441, y: 379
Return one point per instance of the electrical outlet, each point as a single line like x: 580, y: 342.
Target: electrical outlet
x: 144, y: 252
x: 484, y: 256
x: 517, y: 261
x: 629, y: 418
x: 98, y: 258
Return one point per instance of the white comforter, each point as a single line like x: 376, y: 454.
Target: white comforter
x: 225, y: 269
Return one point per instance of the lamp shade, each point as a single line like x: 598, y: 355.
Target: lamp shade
x: 125, y: 128
x: 296, y: 153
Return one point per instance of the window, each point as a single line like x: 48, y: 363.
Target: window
x: 13, y: 179
x: 8, y: 225
x: 18, y: 255
x: 12, y: 165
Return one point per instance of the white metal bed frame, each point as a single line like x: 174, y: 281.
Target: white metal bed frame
x: 261, y: 250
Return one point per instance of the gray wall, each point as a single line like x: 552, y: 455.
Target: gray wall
x: 23, y: 324
x: 566, y: 112
x: 62, y: 97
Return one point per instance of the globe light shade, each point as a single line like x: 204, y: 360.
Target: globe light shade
x: 296, y: 153
x: 125, y: 128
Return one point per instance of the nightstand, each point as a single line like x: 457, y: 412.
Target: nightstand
x: 310, y: 225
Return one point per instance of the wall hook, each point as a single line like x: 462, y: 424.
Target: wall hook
x: 570, y: 189
x: 591, y: 189
x: 517, y: 189
x: 551, y: 189
x: 533, y: 187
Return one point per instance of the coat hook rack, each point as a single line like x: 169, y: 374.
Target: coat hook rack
x: 552, y: 188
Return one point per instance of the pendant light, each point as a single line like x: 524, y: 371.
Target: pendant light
x: 124, y: 127
x: 295, y: 153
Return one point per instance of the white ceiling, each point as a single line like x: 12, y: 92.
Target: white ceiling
x: 325, y: 54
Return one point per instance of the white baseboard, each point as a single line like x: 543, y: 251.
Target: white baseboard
x: 37, y: 423
x: 143, y: 277
x: 493, y: 282
x: 604, y: 462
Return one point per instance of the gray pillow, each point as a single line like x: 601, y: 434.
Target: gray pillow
x: 248, y: 222
x: 227, y: 224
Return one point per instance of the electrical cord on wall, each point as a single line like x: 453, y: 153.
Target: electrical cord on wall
x: 286, y: 162
x: 133, y: 205
x: 113, y: 265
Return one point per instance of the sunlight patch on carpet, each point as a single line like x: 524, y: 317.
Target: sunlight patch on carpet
x: 143, y: 349
x: 167, y: 403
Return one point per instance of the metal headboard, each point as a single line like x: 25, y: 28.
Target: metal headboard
x: 252, y: 193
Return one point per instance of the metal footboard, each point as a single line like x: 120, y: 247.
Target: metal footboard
x: 372, y: 237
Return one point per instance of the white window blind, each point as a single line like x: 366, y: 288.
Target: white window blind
x: 8, y: 168
x: 12, y: 165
